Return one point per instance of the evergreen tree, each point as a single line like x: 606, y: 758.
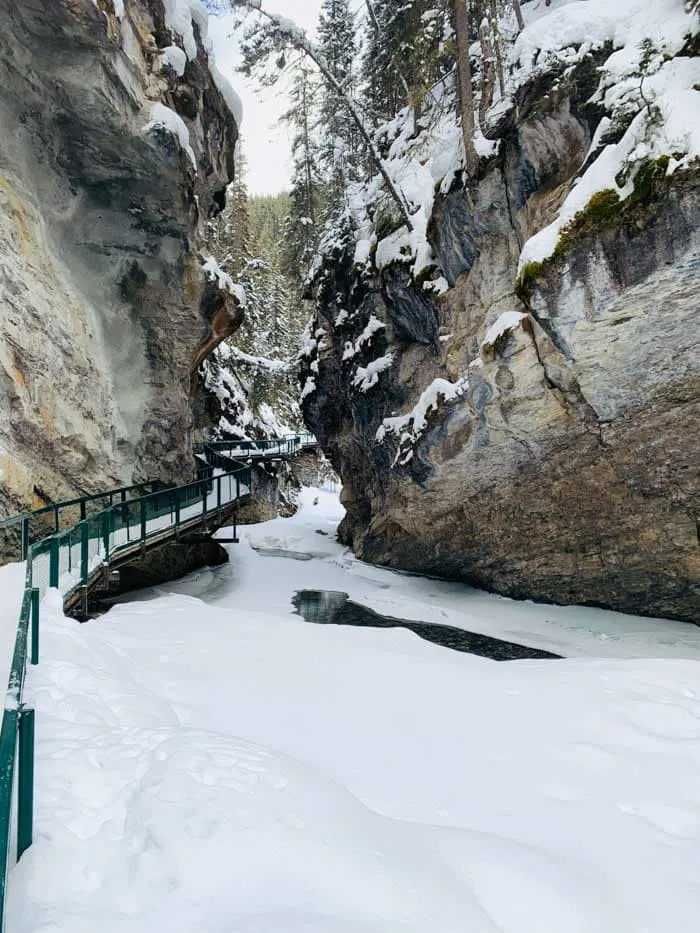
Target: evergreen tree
x: 404, y: 54
x: 338, y: 154
x: 272, y: 36
x: 306, y: 207
x: 275, y: 317
x: 240, y: 218
x: 247, y: 239
x: 228, y: 236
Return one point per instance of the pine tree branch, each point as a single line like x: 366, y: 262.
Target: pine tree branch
x: 378, y: 31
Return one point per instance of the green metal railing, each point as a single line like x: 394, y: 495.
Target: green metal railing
x: 21, y: 531
x: 287, y: 446
x: 81, y: 538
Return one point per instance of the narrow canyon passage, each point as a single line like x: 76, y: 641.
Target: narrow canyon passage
x: 386, y: 315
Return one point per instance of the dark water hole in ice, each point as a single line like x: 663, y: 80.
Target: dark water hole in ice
x: 328, y: 607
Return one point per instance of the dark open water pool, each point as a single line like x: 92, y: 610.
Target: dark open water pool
x: 326, y: 606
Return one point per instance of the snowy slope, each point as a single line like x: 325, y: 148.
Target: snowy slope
x: 643, y: 86
x: 222, y: 768
x: 237, y: 417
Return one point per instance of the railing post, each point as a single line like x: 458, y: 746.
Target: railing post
x: 105, y: 533
x: 238, y: 488
x: 35, y: 626
x: 25, y: 781
x: 56, y: 521
x: 53, y: 563
x: 25, y: 538
x: 83, y: 510
x: 218, y: 493
x: 205, y: 486
x: 143, y: 520
x: 177, y: 509
x: 84, y: 551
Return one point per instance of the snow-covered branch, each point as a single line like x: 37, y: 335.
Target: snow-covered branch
x: 261, y: 362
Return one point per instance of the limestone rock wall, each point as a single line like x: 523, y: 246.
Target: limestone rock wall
x: 568, y: 469
x: 103, y: 304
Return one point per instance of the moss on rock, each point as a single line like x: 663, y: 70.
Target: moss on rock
x: 529, y: 274
x: 605, y: 208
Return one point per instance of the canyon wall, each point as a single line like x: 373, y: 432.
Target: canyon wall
x: 117, y: 143
x: 538, y: 435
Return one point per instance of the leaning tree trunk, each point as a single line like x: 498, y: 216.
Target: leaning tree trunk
x: 487, y: 71
x: 464, y: 85
x: 519, y: 15
x: 497, y: 47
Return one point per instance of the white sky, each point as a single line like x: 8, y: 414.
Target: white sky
x: 266, y: 140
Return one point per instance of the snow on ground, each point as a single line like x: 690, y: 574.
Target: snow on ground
x: 226, y: 766
x: 11, y: 596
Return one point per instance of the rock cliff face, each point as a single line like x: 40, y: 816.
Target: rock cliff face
x: 563, y: 464
x: 103, y: 303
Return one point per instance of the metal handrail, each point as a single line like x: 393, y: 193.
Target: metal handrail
x: 71, y: 503
x: 55, y: 509
x: 73, y: 557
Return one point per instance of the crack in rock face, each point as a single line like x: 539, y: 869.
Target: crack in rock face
x: 568, y: 470
x: 104, y: 304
